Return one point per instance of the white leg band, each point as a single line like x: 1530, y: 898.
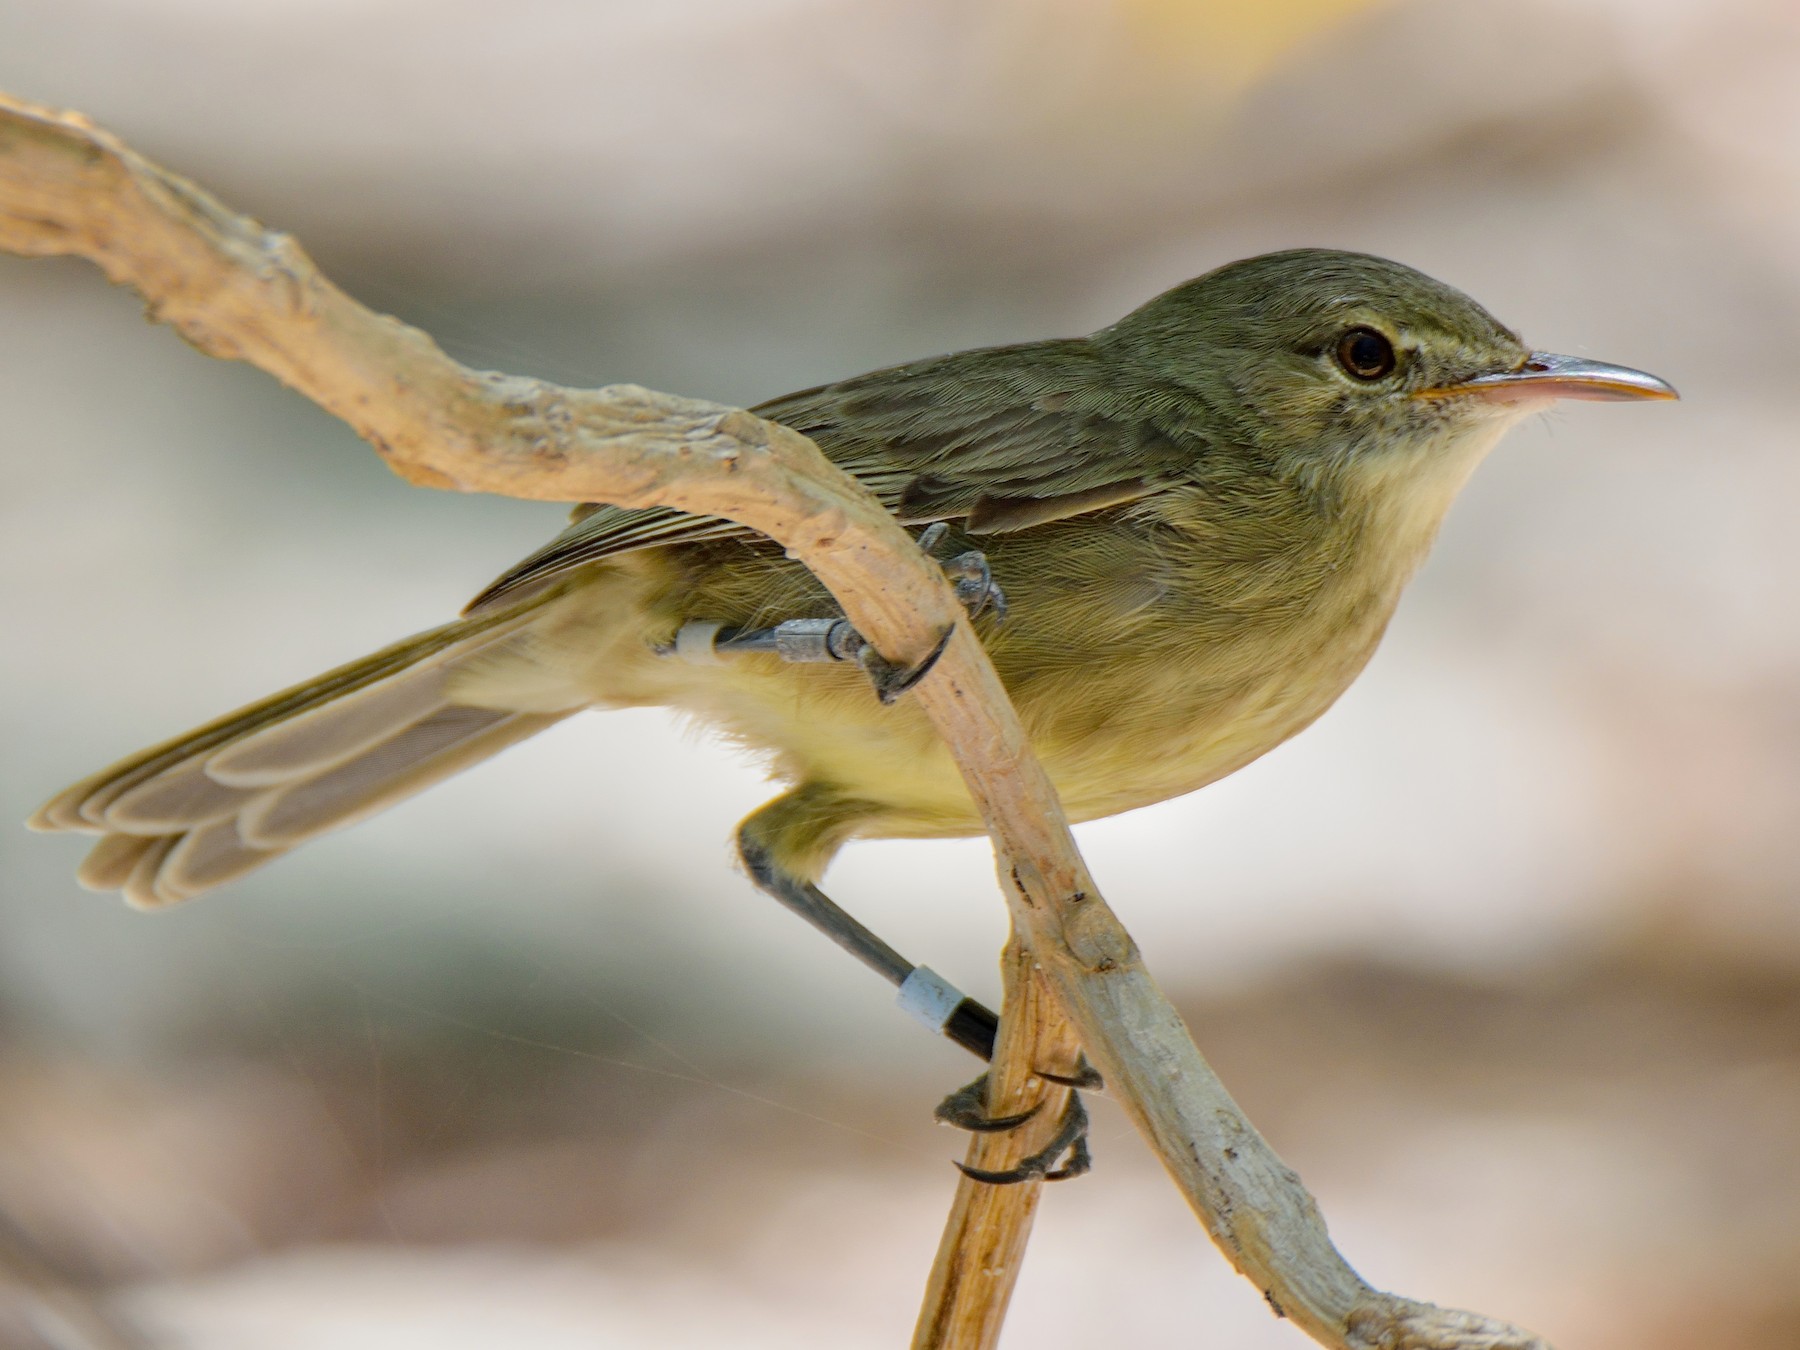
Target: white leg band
x: 929, y: 997
x: 694, y: 643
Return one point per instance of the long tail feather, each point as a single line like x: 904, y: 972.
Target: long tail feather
x: 203, y: 809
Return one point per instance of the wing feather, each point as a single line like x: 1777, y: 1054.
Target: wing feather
x: 1004, y: 438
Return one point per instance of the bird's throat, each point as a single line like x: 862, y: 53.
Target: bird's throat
x: 1400, y: 496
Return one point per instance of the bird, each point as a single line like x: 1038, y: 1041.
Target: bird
x: 1180, y: 539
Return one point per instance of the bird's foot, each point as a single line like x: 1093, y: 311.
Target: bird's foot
x: 969, y: 574
x: 892, y: 681
x: 966, y: 1108
x: 815, y: 640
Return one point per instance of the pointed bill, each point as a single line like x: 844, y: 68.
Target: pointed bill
x: 1547, y: 376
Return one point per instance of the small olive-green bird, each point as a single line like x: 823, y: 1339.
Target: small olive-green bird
x: 1180, y: 538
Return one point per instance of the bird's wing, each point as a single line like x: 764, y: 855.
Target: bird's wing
x: 1002, y: 439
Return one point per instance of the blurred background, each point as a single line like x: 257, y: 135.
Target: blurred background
x: 1503, y: 955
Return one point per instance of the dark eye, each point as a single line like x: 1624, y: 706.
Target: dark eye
x: 1366, y: 354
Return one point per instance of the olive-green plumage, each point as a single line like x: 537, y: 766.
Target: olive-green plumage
x: 1202, y: 518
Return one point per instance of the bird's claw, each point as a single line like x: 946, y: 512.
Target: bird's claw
x: 976, y: 590
x: 965, y: 1109
x: 969, y: 574
x: 825, y: 639
x: 1086, y: 1078
x: 975, y: 585
x: 892, y: 681
x: 933, y: 535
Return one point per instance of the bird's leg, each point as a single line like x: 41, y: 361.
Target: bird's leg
x: 924, y: 993
x: 946, y: 1010
x: 819, y: 640
x: 805, y: 640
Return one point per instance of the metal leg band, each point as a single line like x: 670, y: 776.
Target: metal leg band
x: 796, y: 640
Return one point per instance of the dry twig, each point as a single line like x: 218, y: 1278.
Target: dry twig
x: 984, y: 1239
x: 236, y: 290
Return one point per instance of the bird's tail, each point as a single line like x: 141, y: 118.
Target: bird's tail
x: 207, y: 807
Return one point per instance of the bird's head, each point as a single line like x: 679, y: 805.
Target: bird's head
x: 1352, y: 365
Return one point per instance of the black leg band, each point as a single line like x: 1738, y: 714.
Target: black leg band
x: 973, y: 1027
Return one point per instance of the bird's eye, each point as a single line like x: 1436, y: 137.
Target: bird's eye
x: 1366, y: 354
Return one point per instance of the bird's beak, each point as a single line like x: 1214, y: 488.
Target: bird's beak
x: 1547, y: 376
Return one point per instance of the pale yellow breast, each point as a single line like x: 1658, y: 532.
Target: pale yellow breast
x: 1115, y: 732
x: 1143, y: 667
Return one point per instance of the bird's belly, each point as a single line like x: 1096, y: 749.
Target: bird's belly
x: 1120, y: 718
x: 1111, y: 737
x: 1169, y: 739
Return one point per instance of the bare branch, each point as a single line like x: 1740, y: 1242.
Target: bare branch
x: 984, y: 1238
x: 236, y: 290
